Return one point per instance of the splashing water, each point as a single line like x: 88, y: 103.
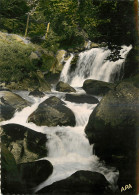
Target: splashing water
x: 92, y: 64
x: 68, y: 148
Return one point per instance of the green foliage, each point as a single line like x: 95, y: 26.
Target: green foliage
x: 116, y: 22
x: 71, y: 21
x: 13, y: 15
x: 47, y: 62
x: 63, y: 17
x: 52, y: 42
x: 14, y: 61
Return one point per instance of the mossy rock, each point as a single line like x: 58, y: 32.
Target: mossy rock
x: 113, y: 124
x: 96, y: 87
x: 20, y: 63
x: 25, y: 144
x: 9, y: 103
x: 74, y: 63
x: 64, y: 87
x: 10, y: 178
x: 113, y: 129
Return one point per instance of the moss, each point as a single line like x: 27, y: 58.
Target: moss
x: 14, y: 60
x: 19, y: 70
x: 47, y: 62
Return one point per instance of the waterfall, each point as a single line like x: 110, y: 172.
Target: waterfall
x: 68, y: 147
x: 65, y: 71
x: 93, y: 64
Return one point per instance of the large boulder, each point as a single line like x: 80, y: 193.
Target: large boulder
x: 9, y: 103
x: 52, y: 112
x: 81, y: 98
x: 95, y: 87
x: 22, y: 178
x: 81, y: 182
x: 34, y: 173
x: 64, y: 87
x: 25, y: 144
x: 112, y: 128
x: 10, y: 177
x: 112, y: 125
x: 14, y: 100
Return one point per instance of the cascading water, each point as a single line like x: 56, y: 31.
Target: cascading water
x: 93, y: 64
x: 68, y: 148
x: 66, y: 69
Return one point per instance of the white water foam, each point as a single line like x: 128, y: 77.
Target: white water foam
x: 93, y: 64
x: 65, y: 71
x: 68, y: 148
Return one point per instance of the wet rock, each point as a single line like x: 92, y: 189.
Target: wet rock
x: 4, y: 89
x: 64, y: 87
x: 37, y: 93
x: 74, y: 63
x: 81, y: 182
x: 112, y: 125
x: 34, y: 173
x: 52, y: 78
x: 81, y: 98
x: 22, y: 178
x: 6, y: 111
x: 94, y: 45
x: 14, y: 100
x: 59, y: 65
x: 52, y: 112
x: 25, y: 144
x: 10, y: 178
x: 95, y: 87
x: 9, y: 103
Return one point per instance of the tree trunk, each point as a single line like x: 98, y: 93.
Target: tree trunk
x: 47, y: 31
x: 26, y: 31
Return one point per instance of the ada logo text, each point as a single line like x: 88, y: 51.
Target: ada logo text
x: 127, y: 187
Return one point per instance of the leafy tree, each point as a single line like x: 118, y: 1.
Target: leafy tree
x: 63, y: 16
x: 12, y: 15
x: 71, y: 21
x: 116, y: 21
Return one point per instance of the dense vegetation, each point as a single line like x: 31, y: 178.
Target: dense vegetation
x: 71, y: 21
x: 60, y: 24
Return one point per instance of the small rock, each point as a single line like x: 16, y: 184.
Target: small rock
x: 64, y: 87
x: 96, y: 87
x: 33, y: 56
x: 81, y: 98
x: 37, y: 93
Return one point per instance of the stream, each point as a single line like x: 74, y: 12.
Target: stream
x: 68, y: 147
